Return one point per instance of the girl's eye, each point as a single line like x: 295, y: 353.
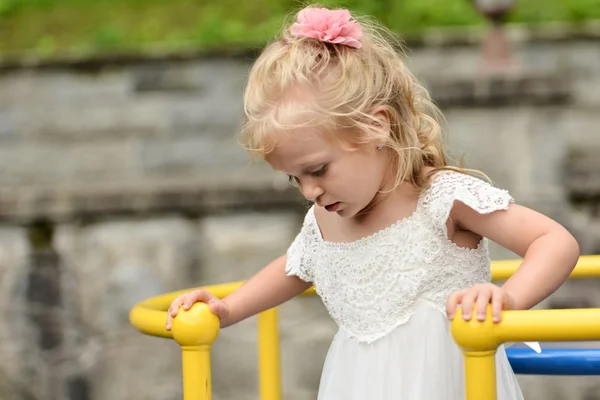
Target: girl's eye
x: 320, y: 172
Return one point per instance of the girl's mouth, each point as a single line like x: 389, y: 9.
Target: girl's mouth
x: 333, y: 207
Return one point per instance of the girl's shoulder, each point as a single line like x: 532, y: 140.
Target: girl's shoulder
x: 448, y: 186
x: 300, y: 254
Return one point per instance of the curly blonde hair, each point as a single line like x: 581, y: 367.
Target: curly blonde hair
x: 300, y: 82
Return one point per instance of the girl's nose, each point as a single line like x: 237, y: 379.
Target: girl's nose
x: 311, y: 191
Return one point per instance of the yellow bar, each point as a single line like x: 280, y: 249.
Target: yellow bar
x: 549, y: 325
x: 480, y: 375
x: 268, y: 356
x: 195, y: 330
x: 587, y: 267
x: 196, y: 373
x: 480, y: 338
x: 527, y: 325
x: 149, y: 320
x: 479, y: 342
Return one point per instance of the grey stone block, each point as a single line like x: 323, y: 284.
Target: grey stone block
x: 210, y: 114
x: 117, y: 118
x: 66, y: 164
x: 10, y: 159
x: 28, y: 89
x: 191, y: 154
x: 164, y: 77
x: 8, y: 129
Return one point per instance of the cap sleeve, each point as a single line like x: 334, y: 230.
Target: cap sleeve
x: 449, y: 186
x: 301, y: 253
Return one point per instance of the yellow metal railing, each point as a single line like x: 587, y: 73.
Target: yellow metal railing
x: 196, y: 329
x: 479, y: 340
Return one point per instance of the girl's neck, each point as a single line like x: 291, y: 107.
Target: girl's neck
x: 389, y: 206
x: 394, y: 204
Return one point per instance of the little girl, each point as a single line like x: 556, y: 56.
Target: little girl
x: 394, y: 241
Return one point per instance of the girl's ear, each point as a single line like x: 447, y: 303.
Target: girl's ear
x: 381, y: 118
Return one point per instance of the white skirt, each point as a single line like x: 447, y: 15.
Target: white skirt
x: 418, y: 360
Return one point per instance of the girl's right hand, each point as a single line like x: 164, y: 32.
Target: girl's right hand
x: 216, y: 306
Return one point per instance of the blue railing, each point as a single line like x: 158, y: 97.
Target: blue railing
x: 552, y: 361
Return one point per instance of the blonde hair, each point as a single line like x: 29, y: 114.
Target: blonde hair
x: 300, y: 82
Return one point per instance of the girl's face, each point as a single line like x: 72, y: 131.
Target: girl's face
x: 341, y: 178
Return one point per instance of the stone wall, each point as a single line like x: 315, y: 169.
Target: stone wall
x: 121, y: 179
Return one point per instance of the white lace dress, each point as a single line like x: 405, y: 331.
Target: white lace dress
x: 387, y: 293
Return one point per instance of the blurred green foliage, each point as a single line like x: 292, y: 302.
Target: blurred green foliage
x: 50, y: 26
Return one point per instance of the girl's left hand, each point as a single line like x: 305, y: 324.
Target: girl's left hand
x: 480, y: 295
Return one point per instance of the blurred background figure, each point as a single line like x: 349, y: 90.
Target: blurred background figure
x: 121, y: 177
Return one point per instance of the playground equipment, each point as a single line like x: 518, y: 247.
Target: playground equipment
x: 196, y: 329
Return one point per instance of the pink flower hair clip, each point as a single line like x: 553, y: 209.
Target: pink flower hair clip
x: 331, y: 26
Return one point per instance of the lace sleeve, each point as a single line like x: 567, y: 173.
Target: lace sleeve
x: 448, y: 187
x: 300, y: 254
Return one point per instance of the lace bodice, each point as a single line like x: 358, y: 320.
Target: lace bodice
x: 371, y: 286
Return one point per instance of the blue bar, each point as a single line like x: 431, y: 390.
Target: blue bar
x: 554, y: 361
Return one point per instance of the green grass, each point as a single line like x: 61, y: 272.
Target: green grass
x: 48, y: 27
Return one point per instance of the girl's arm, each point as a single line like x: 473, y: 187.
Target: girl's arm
x: 549, y: 254
x: 270, y: 287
